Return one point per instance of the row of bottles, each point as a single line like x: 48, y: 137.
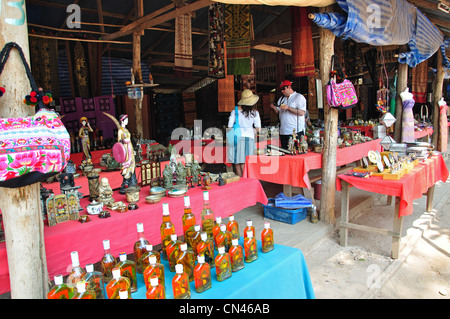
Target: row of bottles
x: 200, y: 243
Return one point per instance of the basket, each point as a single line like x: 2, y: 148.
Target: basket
x: 289, y: 216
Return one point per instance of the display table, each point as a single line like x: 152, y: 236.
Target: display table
x: 293, y: 169
x: 423, y: 133
x: 120, y: 228
x: 421, y: 179
x: 279, y: 274
x: 366, y: 130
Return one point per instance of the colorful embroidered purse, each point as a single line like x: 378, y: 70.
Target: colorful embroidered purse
x: 34, y: 148
x: 340, y: 95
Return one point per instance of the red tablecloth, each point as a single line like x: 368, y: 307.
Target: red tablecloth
x: 411, y: 186
x: 366, y: 130
x: 423, y: 133
x: 120, y: 228
x: 293, y: 170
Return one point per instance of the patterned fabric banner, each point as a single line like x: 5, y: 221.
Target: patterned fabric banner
x: 237, y: 35
x: 216, y: 62
x: 183, y: 46
x: 225, y: 89
x: 302, y: 43
x: 419, y: 82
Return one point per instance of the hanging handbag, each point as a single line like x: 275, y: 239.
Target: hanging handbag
x: 33, y: 148
x: 341, y: 95
x: 234, y: 133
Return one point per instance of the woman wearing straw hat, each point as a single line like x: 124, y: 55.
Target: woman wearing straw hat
x: 247, y: 117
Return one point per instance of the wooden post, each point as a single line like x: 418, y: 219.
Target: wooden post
x: 20, y: 207
x: 402, y: 83
x: 138, y: 78
x: 326, y: 50
x: 437, y: 94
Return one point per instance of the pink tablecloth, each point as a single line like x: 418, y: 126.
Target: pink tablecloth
x: 411, y: 186
x: 120, y: 228
x: 293, y: 170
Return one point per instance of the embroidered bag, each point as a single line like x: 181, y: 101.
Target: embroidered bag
x: 340, y: 95
x: 33, y: 148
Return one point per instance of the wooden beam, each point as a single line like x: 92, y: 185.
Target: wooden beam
x: 437, y: 94
x: 64, y: 7
x: 402, y: 83
x: 100, y: 15
x: 142, y: 25
x: 271, y: 48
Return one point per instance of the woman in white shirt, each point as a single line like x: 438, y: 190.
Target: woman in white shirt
x: 248, y: 119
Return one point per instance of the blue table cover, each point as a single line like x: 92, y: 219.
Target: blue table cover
x: 279, y: 274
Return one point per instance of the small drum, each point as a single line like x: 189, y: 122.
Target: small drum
x: 119, y: 152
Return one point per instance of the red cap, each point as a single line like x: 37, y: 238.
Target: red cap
x: 285, y: 83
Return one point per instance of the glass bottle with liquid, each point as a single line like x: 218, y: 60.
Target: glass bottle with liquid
x: 166, y: 229
x: 82, y: 293
x: 188, y: 219
x: 223, y: 238
x: 187, y: 259
x: 207, y: 215
x: 180, y: 284
x: 267, y: 238
x: 233, y: 227
x: 236, y: 255
x: 60, y: 290
x: 128, y: 269
x: 154, y: 268
x: 250, y: 248
x: 77, y: 272
x: 206, y: 247
x: 193, y: 237
x: 140, y: 246
x: 202, y: 274
x: 249, y: 226
x: 108, y: 261
x: 94, y: 282
x: 172, y: 250
x: 155, y: 290
x: 144, y: 260
x: 116, y: 284
x: 223, y: 264
x: 216, y: 227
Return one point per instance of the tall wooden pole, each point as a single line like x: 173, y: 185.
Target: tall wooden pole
x: 20, y: 207
x: 437, y: 94
x: 402, y: 84
x: 138, y: 78
x: 326, y: 50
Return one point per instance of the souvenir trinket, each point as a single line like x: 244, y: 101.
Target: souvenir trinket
x: 94, y: 208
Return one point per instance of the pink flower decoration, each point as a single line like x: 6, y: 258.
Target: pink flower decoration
x: 3, y: 164
x: 26, y: 159
x: 54, y: 161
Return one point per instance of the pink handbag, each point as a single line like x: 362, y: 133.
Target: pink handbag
x: 34, y: 148
x: 340, y: 95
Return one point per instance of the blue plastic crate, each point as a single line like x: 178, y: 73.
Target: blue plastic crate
x: 289, y: 216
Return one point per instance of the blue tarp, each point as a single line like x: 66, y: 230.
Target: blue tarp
x: 297, y: 201
x: 382, y: 22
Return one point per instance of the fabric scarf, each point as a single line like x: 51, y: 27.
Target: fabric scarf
x: 302, y: 43
x: 216, y: 61
x: 183, y: 46
x: 237, y: 35
x: 419, y: 82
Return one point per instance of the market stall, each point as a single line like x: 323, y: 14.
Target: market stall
x: 279, y: 169
x: 419, y: 180
x: 120, y: 228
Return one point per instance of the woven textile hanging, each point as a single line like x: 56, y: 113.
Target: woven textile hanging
x: 225, y: 90
x: 419, y: 82
x: 216, y: 61
x: 237, y: 35
x: 183, y: 46
x: 302, y: 43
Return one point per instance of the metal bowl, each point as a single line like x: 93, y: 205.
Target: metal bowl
x: 156, y: 190
x: 153, y: 199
